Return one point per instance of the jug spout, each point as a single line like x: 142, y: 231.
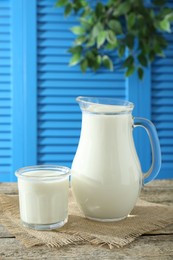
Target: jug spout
x: 100, y: 105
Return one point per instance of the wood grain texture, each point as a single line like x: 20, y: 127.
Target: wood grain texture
x: 154, y: 245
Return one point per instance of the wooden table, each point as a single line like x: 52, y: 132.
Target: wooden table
x: 154, y: 245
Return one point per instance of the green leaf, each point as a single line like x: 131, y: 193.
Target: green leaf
x: 61, y: 3
x: 96, y: 29
x: 107, y: 62
x: 91, y: 42
x: 99, y: 9
x: 86, y: 23
x: 165, y: 25
x: 128, y: 61
x: 80, y: 40
x: 142, y: 59
x: 159, y: 2
x: 84, y: 65
x: 140, y: 73
x: 78, y: 5
x: 110, y: 46
x: 111, y: 37
x: 115, y: 26
x: 130, y: 71
x: 152, y: 55
x: 131, y: 18
x: 95, y: 65
x: 169, y: 17
x: 78, y: 30
x: 75, y: 59
x: 101, y: 38
x: 123, y: 8
x: 75, y: 49
x: 90, y: 55
x: 68, y: 9
x: 121, y: 50
x: 161, y: 41
x: 87, y: 11
x: 129, y: 41
x: 99, y: 59
x: 161, y: 54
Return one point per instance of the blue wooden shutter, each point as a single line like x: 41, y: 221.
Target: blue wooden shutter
x: 5, y: 90
x: 162, y: 106
x: 39, y: 118
x: 58, y: 86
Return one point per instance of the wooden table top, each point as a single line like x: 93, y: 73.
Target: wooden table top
x: 153, y: 245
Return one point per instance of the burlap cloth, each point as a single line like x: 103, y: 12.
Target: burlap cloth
x: 144, y: 218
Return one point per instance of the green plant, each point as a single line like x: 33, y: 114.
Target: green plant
x: 131, y: 27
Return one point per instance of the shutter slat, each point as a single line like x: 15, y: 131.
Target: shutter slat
x: 164, y: 92
x: 5, y: 153
x: 4, y: 62
x: 75, y: 76
x: 61, y: 84
x: 52, y: 28
x: 4, y: 45
x: 5, y: 169
x: 57, y: 149
x: 156, y: 85
x: 4, y: 29
x: 4, y: 53
x: 53, y: 18
x: 166, y: 134
x: 166, y: 142
x: 161, y: 125
x: 167, y: 102
x: 61, y: 67
x: 166, y: 149
x: 162, y: 77
x: 168, y: 109
x: 58, y: 133
x: 54, y: 157
x: 77, y: 92
x: 157, y: 117
x: 59, y: 108
x: 47, y: 141
x: 162, y: 69
x: 58, y: 116
x: 5, y: 143
x: 5, y: 111
x: 59, y: 124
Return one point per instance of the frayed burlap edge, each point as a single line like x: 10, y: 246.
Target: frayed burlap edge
x: 119, y: 242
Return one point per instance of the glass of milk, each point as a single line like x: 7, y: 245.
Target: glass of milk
x: 43, y: 196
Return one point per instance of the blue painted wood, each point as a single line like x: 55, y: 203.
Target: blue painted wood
x: 24, y: 84
x: 17, y: 82
x: 5, y: 91
x: 30, y: 81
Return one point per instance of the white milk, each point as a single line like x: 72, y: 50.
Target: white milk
x: 106, y: 174
x: 45, y: 201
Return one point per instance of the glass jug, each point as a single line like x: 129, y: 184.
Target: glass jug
x: 106, y: 172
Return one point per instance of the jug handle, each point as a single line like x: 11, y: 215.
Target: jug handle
x: 155, y: 148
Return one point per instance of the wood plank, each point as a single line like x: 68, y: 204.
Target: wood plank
x: 8, y: 188
x: 147, y: 247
